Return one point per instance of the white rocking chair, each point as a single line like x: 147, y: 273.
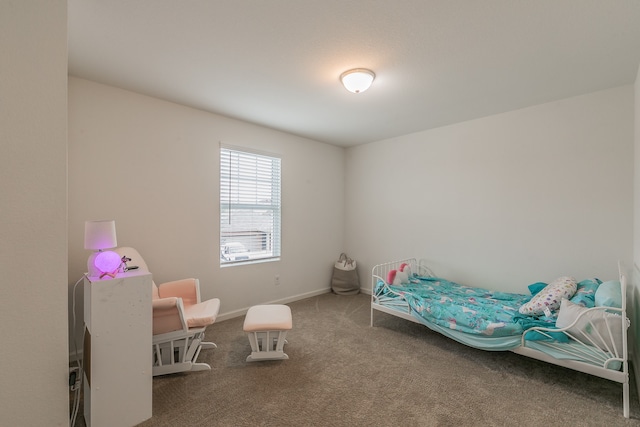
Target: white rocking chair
x: 179, y: 321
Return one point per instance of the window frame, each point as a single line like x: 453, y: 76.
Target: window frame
x: 248, y: 179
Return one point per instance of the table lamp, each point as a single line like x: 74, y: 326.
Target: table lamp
x: 98, y: 236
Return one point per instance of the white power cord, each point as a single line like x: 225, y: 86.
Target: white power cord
x: 76, y: 387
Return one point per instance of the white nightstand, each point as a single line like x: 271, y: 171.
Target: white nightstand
x: 117, y: 350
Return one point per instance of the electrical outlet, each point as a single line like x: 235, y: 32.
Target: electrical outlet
x: 74, y: 378
x: 276, y: 281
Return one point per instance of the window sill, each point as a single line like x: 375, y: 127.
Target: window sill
x: 248, y: 262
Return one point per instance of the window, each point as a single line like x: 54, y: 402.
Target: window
x: 249, y: 206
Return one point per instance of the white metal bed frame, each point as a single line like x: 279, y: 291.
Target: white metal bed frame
x: 599, y: 359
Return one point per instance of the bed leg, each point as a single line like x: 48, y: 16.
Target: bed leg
x: 625, y: 399
x: 371, y: 319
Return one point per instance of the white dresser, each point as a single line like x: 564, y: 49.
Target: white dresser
x: 117, y: 350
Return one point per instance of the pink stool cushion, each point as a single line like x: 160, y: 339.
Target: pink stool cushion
x: 271, y: 317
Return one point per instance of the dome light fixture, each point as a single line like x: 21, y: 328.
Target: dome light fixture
x: 357, y: 80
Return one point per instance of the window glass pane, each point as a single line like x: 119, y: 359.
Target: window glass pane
x: 249, y: 206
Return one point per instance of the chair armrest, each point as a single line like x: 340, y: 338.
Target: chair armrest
x: 168, y: 315
x: 187, y: 289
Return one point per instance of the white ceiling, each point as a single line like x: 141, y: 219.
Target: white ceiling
x: 277, y: 62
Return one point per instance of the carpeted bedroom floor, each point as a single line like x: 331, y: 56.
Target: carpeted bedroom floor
x: 341, y: 372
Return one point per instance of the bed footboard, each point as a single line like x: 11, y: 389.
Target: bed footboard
x: 596, y: 335
x: 595, y: 342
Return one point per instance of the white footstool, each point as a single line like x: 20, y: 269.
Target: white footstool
x: 267, y: 326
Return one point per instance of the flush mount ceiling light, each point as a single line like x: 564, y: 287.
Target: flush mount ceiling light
x: 357, y: 80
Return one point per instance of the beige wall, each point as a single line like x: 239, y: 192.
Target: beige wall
x: 502, y: 201
x: 153, y: 167
x: 33, y: 213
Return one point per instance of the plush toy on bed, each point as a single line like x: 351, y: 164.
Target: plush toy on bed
x: 397, y: 278
x: 406, y: 270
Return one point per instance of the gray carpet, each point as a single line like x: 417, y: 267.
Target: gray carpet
x: 341, y: 372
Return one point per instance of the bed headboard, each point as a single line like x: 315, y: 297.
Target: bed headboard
x: 380, y: 271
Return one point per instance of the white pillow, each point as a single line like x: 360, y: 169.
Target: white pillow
x: 591, y: 328
x: 550, y: 297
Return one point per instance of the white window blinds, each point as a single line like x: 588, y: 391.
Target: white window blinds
x: 249, y: 206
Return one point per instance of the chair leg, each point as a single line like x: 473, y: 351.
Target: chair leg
x: 206, y: 345
x: 179, y: 354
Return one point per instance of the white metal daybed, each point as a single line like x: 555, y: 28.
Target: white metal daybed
x: 601, y: 352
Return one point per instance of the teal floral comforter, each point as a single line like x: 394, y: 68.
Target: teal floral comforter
x: 464, y: 308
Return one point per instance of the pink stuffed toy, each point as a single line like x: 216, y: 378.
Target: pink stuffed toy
x: 396, y: 278
x: 402, y: 277
x: 391, y: 276
x: 406, y: 270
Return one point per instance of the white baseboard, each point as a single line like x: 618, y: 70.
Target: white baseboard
x: 243, y: 311
x: 73, y: 356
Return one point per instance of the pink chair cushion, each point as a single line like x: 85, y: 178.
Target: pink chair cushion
x: 187, y: 289
x: 202, y: 314
x: 166, y: 316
